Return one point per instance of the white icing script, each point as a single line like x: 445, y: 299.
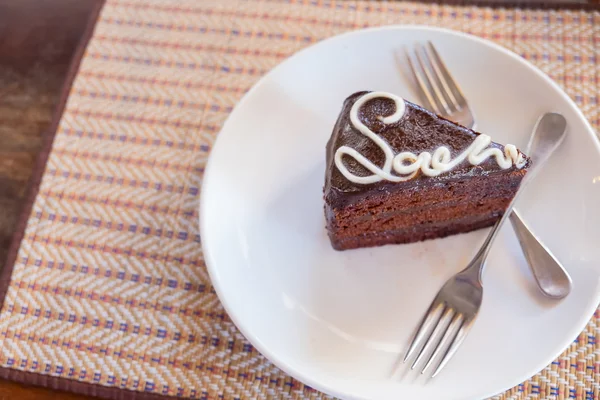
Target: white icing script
x: 406, y: 164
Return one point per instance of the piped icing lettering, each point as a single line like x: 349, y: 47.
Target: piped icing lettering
x: 406, y: 165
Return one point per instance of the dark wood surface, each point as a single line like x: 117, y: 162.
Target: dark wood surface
x: 38, y: 39
x: 16, y: 391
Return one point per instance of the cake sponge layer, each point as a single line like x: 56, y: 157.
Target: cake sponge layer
x: 427, y: 213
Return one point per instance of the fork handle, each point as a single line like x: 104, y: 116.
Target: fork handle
x: 550, y: 132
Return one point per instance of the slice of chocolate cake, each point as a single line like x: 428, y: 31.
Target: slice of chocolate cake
x: 397, y: 173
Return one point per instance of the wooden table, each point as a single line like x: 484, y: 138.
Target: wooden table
x: 38, y: 40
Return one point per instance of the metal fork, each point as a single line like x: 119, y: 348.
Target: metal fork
x: 442, y: 95
x: 437, y: 88
x: 457, y: 304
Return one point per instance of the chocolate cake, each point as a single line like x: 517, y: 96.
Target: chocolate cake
x: 397, y: 173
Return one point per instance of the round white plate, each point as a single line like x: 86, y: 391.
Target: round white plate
x: 339, y: 321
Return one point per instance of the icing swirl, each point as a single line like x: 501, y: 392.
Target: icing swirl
x: 406, y: 165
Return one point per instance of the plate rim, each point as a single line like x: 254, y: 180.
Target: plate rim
x: 204, y: 229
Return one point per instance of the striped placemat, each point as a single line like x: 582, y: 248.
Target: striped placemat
x: 108, y: 293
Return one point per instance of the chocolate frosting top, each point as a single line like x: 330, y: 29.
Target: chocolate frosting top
x: 417, y: 131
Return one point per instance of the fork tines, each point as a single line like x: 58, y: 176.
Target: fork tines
x: 435, y: 82
x: 442, y: 327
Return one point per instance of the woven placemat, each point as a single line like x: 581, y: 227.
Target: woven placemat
x: 108, y: 288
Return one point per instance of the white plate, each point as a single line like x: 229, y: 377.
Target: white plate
x: 338, y: 321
